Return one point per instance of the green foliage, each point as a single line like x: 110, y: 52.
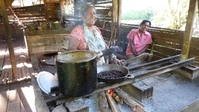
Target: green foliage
x: 137, y: 15
x: 167, y: 13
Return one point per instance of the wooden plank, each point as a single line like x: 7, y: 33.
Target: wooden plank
x: 27, y: 97
x: 23, y: 73
x: 31, y: 70
x: 3, y: 47
x: 25, y: 64
x: 169, y: 44
x: 194, y: 54
x: 194, y: 51
x: 103, y: 2
x: 169, y: 39
x: 30, y: 15
x: 40, y: 103
x: 8, y: 72
x: 27, y: 71
x: 103, y: 11
x: 19, y: 71
x: 29, y: 7
x: 6, y: 69
x: 167, y: 51
x: 170, y: 34
x: 194, y: 42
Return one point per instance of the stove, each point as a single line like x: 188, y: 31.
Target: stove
x: 55, y: 100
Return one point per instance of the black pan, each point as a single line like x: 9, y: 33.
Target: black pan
x: 110, y: 67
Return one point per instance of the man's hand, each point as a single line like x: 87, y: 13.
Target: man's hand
x: 135, y: 53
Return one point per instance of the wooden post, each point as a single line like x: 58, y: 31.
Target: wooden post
x: 198, y: 6
x: 188, y: 29
x: 119, y: 21
x: 114, y: 14
x: 9, y: 38
x: 62, y: 5
x: 62, y: 13
x: 114, y: 10
x: 46, y: 14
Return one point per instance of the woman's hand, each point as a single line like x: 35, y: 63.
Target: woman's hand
x: 118, y: 62
x: 98, y: 58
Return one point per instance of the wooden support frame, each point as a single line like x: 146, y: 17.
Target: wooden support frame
x: 188, y: 29
x: 9, y: 38
x: 116, y: 16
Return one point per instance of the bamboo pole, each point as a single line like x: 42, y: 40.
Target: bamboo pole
x: 8, y: 38
x: 188, y: 29
x: 119, y: 21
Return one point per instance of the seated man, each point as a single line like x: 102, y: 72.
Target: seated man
x: 139, y: 40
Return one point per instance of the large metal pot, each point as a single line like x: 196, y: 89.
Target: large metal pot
x: 110, y: 67
x: 77, y: 72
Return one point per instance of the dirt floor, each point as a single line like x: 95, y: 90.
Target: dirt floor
x: 172, y: 92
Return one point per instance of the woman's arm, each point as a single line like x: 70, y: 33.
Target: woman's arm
x: 73, y: 43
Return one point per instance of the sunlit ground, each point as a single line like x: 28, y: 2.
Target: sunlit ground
x: 28, y: 93
x: 20, y: 50
x: 16, y: 51
x: 22, y: 96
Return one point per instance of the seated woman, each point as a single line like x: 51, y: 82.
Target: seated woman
x: 139, y: 40
x: 88, y: 37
